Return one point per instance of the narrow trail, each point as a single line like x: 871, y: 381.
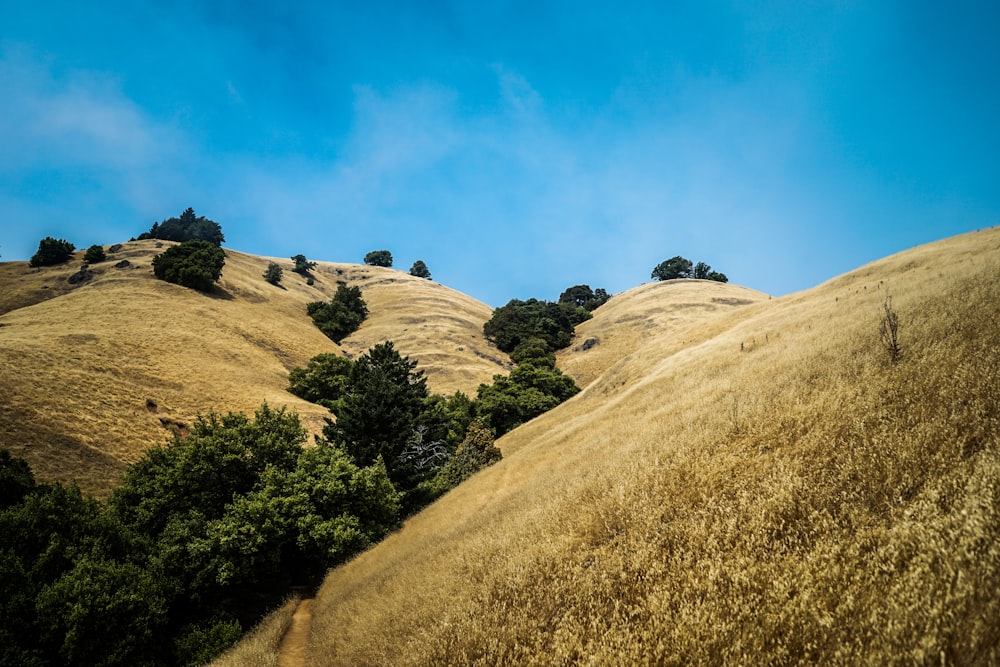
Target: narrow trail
x: 294, y: 648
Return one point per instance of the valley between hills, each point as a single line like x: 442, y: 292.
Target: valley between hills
x: 742, y: 479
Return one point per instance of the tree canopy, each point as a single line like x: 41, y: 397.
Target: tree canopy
x: 196, y: 264
x: 302, y: 265
x: 584, y: 297
x: 51, y: 251
x: 342, y: 315
x: 680, y: 267
x: 186, y: 228
x: 420, y: 270
x: 379, y: 258
x: 522, y: 320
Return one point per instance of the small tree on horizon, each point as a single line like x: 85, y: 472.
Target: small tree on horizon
x: 379, y: 258
x: 94, y: 254
x: 52, y: 251
x: 420, y: 270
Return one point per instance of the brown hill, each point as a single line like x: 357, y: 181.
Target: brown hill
x: 763, y: 486
x: 93, y: 374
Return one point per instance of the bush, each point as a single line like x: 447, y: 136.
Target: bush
x: 342, y: 315
x: 94, y: 254
x: 273, y: 274
x: 188, y: 227
x: 477, y: 451
x: 52, y: 251
x: 379, y: 258
x: 196, y: 264
x: 420, y: 270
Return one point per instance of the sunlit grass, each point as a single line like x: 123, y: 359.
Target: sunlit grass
x: 772, y: 491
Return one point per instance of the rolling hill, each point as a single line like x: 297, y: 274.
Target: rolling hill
x: 743, y: 479
x: 760, y: 484
x: 95, y: 373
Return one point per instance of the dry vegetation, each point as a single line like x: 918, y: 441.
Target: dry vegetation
x: 94, y: 375
x: 765, y: 487
x: 259, y: 648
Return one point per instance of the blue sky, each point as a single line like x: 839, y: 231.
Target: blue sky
x: 517, y: 148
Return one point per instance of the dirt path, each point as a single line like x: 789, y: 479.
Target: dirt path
x: 294, y: 648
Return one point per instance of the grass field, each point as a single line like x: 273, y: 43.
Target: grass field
x: 763, y: 487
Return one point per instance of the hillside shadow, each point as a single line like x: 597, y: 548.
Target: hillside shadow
x: 220, y: 293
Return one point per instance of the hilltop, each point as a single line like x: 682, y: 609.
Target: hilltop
x: 760, y: 484
x: 96, y: 373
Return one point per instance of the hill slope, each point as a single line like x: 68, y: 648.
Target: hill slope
x: 94, y: 375
x: 772, y: 490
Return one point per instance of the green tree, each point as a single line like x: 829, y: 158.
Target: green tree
x: 186, y: 228
x: 379, y: 258
x: 584, y: 297
x: 342, y: 315
x: 534, y: 386
x: 273, y: 273
x: 379, y: 412
x: 303, y: 265
x: 324, y: 380
x: 420, y: 270
x: 521, y: 320
x: 196, y: 264
x: 94, y: 254
x: 477, y: 451
x: 670, y: 269
x: 51, y: 251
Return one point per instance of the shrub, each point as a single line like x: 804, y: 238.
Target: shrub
x: 188, y: 227
x: 273, y: 274
x: 342, y: 315
x: 52, y: 251
x: 420, y: 270
x: 94, y: 254
x: 379, y: 258
x: 889, y: 330
x: 196, y: 264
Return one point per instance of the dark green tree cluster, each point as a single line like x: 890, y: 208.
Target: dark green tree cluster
x: 384, y: 412
x: 379, y: 258
x: 204, y: 536
x: 520, y: 321
x: 186, y: 228
x: 420, y: 270
x: 51, y: 251
x: 680, y: 267
x: 196, y: 264
x: 584, y: 297
x: 534, y: 386
x: 342, y: 315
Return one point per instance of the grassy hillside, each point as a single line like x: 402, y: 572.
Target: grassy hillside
x: 95, y: 374
x: 763, y: 486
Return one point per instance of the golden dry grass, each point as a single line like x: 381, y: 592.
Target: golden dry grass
x: 93, y: 376
x: 771, y: 491
x: 260, y: 646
